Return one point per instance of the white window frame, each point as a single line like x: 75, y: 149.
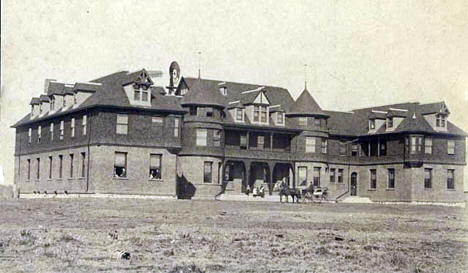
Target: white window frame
x: 240, y: 111
x: 311, y: 144
x: 62, y: 129
x: 84, y: 123
x: 72, y: 127
x: 302, y: 121
x: 201, y: 137
x: 450, y: 147
x: 121, y: 127
x: 280, y: 118
x: 51, y: 131
x: 39, y: 133
x: 428, y: 143
x: 29, y: 135
x: 176, y: 127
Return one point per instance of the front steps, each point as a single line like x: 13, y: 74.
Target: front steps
x: 357, y: 200
x: 244, y: 197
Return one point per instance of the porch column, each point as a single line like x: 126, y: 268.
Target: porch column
x: 248, y: 141
x: 378, y: 146
x: 291, y: 166
x: 271, y: 141
x: 246, y: 179
x: 271, y: 166
x: 368, y: 148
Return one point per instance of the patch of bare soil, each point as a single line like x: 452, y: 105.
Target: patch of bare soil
x: 134, y: 235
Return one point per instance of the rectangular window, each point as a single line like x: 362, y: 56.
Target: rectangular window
x: 29, y: 135
x: 61, y: 129
x: 391, y: 179
x: 72, y: 127
x: 209, y: 112
x: 261, y: 142
x: 383, y: 147
x: 340, y: 175
x: 428, y: 145
x: 427, y: 178
x: 193, y: 110
x: 122, y: 124
x: 332, y: 175
x: 136, y: 94
x: 317, y: 122
x: 83, y: 164
x: 157, y: 121
x: 28, y: 162
x: 263, y: 114
x: 373, y: 179
x: 207, y: 171
x: 243, y: 142
x: 120, y: 164
x: 144, y: 95
x: 176, y: 127
x: 451, y: 147
x: 256, y: 113
x: 440, y: 120
x: 239, y: 114
x: 354, y: 149
x: 302, y: 176
x: 72, y: 157
x: 38, y: 171
x: 201, y: 137
x: 450, y: 179
x: 389, y: 122
x: 84, y: 122
x: 316, y: 176
x: 217, y: 138
x: 60, y: 174
x: 343, y: 148
x: 280, y: 118
x: 324, y: 145
x: 39, y: 134
x: 310, y: 145
x: 51, y: 131
x: 155, y: 166
x: 50, y: 167
x: 302, y: 121
x: 372, y: 124
x: 416, y: 144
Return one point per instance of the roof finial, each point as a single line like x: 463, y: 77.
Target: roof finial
x: 199, y: 64
x: 305, y: 76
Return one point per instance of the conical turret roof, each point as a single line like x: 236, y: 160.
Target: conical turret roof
x: 305, y: 105
x: 199, y: 94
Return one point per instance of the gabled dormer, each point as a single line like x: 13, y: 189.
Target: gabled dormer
x: 256, y: 106
x: 237, y: 111
x: 277, y: 115
x: 44, y: 106
x: 376, y: 120
x: 35, y: 105
x: 394, y: 118
x: 137, y: 87
x: 436, y: 115
x: 83, y: 90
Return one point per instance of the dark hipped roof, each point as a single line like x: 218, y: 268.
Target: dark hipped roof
x: 35, y: 101
x: 200, y: 94
x: 56, y: 88
x: 305, y: 105
x: 44, y: 98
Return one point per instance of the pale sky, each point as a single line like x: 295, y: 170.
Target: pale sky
x: 359, y: 53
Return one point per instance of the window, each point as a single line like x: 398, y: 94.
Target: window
x: 302, y: 121
x: 223, y: 90
x: 155, y: 166
x: 280, y: 118
x: 427, y: 178
x: 83, y: 124
x: 440, y: 120
x: 416, y: 144
x: 122, y: 124
x: 28, y: 162
x: 83, y: 164
x: 157, y: 121
x: 201, y: 137
x: 72, y: 157
x: 450, y: 179
x: 38, y: 173
x: 256, y: 116
x: 176, y: 127
x: 332, y: 175
x: 144, y: 94
x: 372, y: 124
x: 60, y: 166
x: 207, y: 171
x: 302, y: 176
x: 340, y: 175
x: 239, y: 114
x: 120, y: 164
x: 383, y: 147
x: 136, y: 93
x: 263, y: 114
x: 316, y: 176
x: 39, y: 134
x: 243, y: 142
x: 317, y: 122
x: 193, y: 110
x: 72, y: 127
x: 52, y: 104
x: 451, y: 147
x: 74, y: 98
x: 261, y: 142
x: 389, y: 122
x: 354, y: 149
x: 324, y: 145
x: 217, y: 138
x: 50, y: 167
x: 209, y: 112
x: 428, y: 145
x: 373, y: 179
x: 61, y: 129
x: 51, y: 131
x: 391, y: 179
x: 310, y: 145
x: 343, y: 148
x: 29, y: 135
x: 64, y: 102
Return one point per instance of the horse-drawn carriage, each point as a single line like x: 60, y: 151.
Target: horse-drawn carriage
x: 301, y: 194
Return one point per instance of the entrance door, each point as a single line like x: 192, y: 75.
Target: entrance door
x: 353, y: 184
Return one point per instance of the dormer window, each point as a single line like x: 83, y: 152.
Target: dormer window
x: 40, y: 108
x: 239, y: 114
x: 390, y: 122
x: 223, y: 90
x: 372, y: 124
x: 441, y: 120
x: 144, y: 94
x: 317, y: 122
x: 52, y: 104
x: 280, y: 118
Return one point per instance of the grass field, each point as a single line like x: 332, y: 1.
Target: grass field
x: 86, y: 235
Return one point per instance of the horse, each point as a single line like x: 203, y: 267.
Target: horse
x: 287, y: 191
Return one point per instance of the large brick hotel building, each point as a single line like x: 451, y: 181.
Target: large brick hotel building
x: 198, y: 138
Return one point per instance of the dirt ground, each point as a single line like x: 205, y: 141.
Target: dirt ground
x: 91, y: 234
